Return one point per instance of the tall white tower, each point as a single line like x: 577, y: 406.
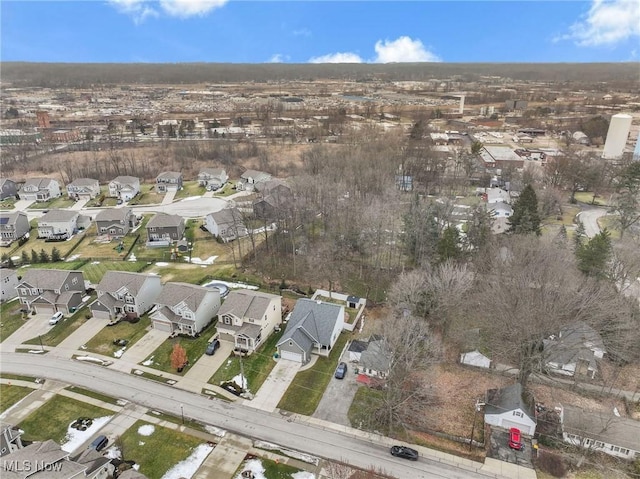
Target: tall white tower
x: 617, y: 136
x: 461, y: 106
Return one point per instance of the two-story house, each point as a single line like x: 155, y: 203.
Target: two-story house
x: 165, y: 229
x: 168, y: 181
x: 83, y: 189
x: 124, y: 187
x: 226, y: 224
x: 39, y: 189
x: 58, y: 224
x: 48, y: 291
x: 212, y: 178
x: 115, y: 222
x: 185, y: 308
x: 125, y: 294
x: 247, y: 318
x: 250, y: 178
x: 8, y: 188
x: 8, y: 282
x: 13, y: 226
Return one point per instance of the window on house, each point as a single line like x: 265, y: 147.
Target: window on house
x: 66, y: 287
x: 599, y: 444
x: 74, y: 280
x: 518, y: 413
x: 227, y: 320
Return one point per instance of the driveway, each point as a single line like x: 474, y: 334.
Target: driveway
x: 274, y: 387
x: 34, y: 326
x: 22, y: 205
x: 169, y: 196
x: 200, y: 373
x: 589, y: 218
x: 499, y: 449
x: 80, y: 336
x: 338, y: 396
x: 78, y: 205
x: 145, y: 346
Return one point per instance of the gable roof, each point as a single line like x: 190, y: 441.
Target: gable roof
x: 619, y: 431
x: 170, y: 175
x: 47, y: 279
x: 58, y: 215
x: 175, y: 293
x: 39, y: 182
x: 376, y: 357
x: 580, y: 333
x: 11, y: 218
x: 357, y: 346
x: 126, y: 180
x: 212, y: 171
x: 256, y: 175
x: 508, y: 398
x: 113, y: 214
x: 165, y: 220
x: 83, y: 182
x: 227, y: 216
x: 246, y: 304
x: 316, y: 319
x: 113, y: 281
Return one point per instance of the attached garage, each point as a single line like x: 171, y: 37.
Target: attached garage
x: 44, y: 308
x: 162, y: 326
x: 507, y: 408
x: 291, y: 356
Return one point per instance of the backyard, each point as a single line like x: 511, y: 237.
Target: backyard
x: 102, y: 343
x: 52, y: 419
x: 11, y: 394
x: 147, y: 196
x: 306, y: 389
x: 37, y: 245
x: 256, y: 367
x: 351, y: 312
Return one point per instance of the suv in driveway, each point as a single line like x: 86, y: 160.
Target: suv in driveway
x: 56, y: 318
x: 341, y: 371
x: 211, y: 348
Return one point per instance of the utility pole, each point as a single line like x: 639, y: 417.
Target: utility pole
x: 41, y: 346
x: 182, y: 413
x: 242, y: 377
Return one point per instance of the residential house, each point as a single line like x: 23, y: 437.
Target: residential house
x: 250, y: 178
x: 575, y: 351
x: 375, y: 361
x: 275, y: 197
x: 185, y: 308
x: 603, y: 432
x: 45, y: 460
x: 164, y: 229
x: 507, y: 408
x: 116, y: 222
x: 58, y: 224
x: 10, y: 439
x: 39, y: 189
x: 168, y: 181
x: 8, y: 188
x: 48, y: 291
x: 355, y: 349
x: 500, y: 209
x: 313, y: 327
x: 83, y: 189
x: 13, y: 227
x: 8, y: 282
x: 125, y: 294
x: 247, y: 318
x: 124, y: 187
x: 226, y: 224
x: 212, y: 178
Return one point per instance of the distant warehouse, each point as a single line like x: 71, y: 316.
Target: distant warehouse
x: 500, y: 157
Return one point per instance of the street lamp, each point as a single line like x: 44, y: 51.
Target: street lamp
x: 190, y: 244
x: 182, y: 413
x: 41, y: 346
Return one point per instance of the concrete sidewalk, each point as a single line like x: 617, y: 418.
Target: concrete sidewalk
x: 145, y: 346
x: 69, y: 346
x: 30, y: 403
x: 198, y: 375
x: 225, y: 459
x: 275, y: 385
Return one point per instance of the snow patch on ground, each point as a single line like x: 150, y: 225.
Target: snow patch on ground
x: 114, y: 453
x: 132, y: 257
x: 120, y: 352
x: 162, y: 263
x: 232, y: 285
x: 90, y: 359
x: 148, y: 362
x: 72, y: 257
x: 95, y: 262
x: 255, y: 466
x: 240, y: 380
x: 303, y: 475
x: 209, y: 260
x: 187, y: 468
x: 36, y: 351
x: 267, y: 446
x: 74, y: 438
x: 191, y: 198
x: 146, y: 430
x: 216, y: 431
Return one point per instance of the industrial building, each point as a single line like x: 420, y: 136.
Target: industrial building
x: 617, y: 136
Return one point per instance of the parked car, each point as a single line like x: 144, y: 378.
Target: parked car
x: 515, y: 439
x: 99, y: 443
x: 404, y: 452
x: 212, y: 347
x: 341, y: 371
x: 56, y: 318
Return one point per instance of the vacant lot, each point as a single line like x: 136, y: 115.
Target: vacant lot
x: 11, y: 394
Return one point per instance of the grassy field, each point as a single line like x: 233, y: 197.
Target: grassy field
x: 568, y: 216
x: 64, y: 328
x: 10, y: 394
x: 195, y: 348
x: 93, y: 271
x: 587, y: 197
x: 37, y: 245
x: 360, y: 408
x: 158, y: 452
x: 92, y: 394
x: 102, y: 343
x: 272, y: 469
x: 52, y: 419
x: 92, y: 249
x: 226, y: 190
x: 60, y: 202
x: 7, y: 204
x: 190, y: 188
x: 10, y: 319
x: 610, y: 222
x: 147, y: 196
x: 306, y: 389
x: 256, y: 367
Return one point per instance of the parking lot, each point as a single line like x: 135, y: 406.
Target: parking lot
x: 499, y: 449
x: 337, y: 398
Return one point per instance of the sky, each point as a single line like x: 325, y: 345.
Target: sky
x: 357, y: 31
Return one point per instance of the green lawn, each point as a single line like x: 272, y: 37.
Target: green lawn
x: 52, y: 419
x: 195, y: 348
x: 90, y: 248
x: 190, y: 188
x: 587, y: 197
x: 64, y: 328
x: 60, y: 202
x: 10, y: 319
x: 256, y: 367
x: 93, y: 271
x: 102, y: 343
x: 10, y: 394
x: 226, y: 190
x: 306, y: 389
x: 92, y: 394
x: 7, y: 204
x: 610, y: 222
x: 272, y: 469
x: 160, y: 451
x: 37, y: 245
x: 362, y: 405
x: 147, y: 196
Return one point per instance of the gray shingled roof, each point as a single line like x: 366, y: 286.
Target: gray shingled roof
x: 132, y: 474
x: 113, y: 214
x: 46, y: 279
x: 212, y: 171
x: 164, y: 220
x: 246, y: 304
x: 174, y: 293
x: 112, y: 281
x: 376, y: 357
x: 619, y: 431
x: 12, y: 217
x: 82, y: 182
x: 39, y: 454
x: 508, y: 398
x: 316, y: 319
x: 58, y: 215
x: 171, y: 175
x: 256, y: 175
x: 39, y: 182
x: 227, y: 216
x: 126, y: 180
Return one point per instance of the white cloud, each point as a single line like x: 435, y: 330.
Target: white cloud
x: 190, y: 8
x: 607, y: 23
x: 278, y: 58
x: 138, y: 9
x: 345, y: 57
x: 403, y: 49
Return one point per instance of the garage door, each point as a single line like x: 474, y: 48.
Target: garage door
x: 100, y: 314
x: 509, y: 424
x: 292, y: 356
x: 44, y: 308
x: 160, y: 326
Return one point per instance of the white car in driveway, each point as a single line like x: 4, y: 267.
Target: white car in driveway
x: 55, y: 319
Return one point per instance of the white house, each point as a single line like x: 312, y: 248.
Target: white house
x: 58, y: 224
x: 247, y: 318
x: 475, y: 358
x: 39, y: 189
x: 124, y: 187
x: 313, y: 327
x: 212, y: 178
x: 250, y: 178
x: 226, y: 224
x: 185, y: 308
x: 125, y: 294
x: 607, y: 433
x: 8, y: 283
x: 506, y: 408
x: 83, y: 188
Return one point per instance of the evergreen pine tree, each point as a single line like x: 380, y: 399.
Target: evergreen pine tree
x: 594, y: 255
x: 525, y: 218
x: 34, y: 256
x: 25, y: 257
x: 449, y: 245
x: 44, y: 256
x: 579, y: 236
x: 55, y: 255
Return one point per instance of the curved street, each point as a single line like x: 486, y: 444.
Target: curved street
x: 338, y: 443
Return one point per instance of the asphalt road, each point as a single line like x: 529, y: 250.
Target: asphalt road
x: 589, y: 218
x: 239, y: 419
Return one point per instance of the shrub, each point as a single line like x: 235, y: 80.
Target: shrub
x: 551, y: 464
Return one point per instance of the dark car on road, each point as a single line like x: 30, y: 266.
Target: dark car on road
x: 404, y: 452
x: 211, y: 348
x: 341, y: 371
